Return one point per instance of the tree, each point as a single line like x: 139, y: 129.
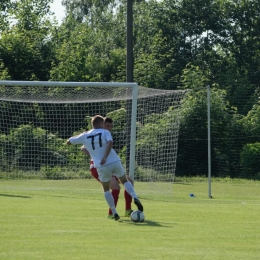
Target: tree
x: 87, y: 9
x: 250, y: 161
x: 88, y: 53
x: 193, y: 140
x: 5, y: 6
x: 152, y: 69
x: 25, y: 48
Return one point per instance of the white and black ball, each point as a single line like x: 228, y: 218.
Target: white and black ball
x: 137, y: 216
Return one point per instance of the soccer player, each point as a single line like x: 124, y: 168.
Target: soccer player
x: 114, y: 183
x: 99, y: 142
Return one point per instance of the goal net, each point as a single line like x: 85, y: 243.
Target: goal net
x: 234, y: 134
x: 38, y: 117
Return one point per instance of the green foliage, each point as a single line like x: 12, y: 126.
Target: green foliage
x: 25, y: 48
x: 63, y: 173
x: 151, y: 139
x: 193, y: 134
x: 193, y: 78
x: 7, y: 152
x: 20, y: 56
x: 152, y: 67
x: 31, y: 15
x: 29, y: 148
x: 5, y: 7
x: 250, y: 152
x: 3, y: 72
x: 251, y: 122
x: 90, y: 50
x: 119, y: 128
x: 87, y: 55
x: 250, y: 160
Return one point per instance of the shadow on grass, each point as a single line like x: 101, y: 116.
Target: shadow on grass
x: 15, y: 196
x: 149, y: 223
x: 182, y: 183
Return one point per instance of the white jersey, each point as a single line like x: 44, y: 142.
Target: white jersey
x: 95, y: 141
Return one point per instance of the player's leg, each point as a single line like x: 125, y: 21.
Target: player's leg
x: 119, y: 172
x: 115, y: 190
x: 114, y: 186
x: 105, y: 176
x: 94, y: 172
x: 109, y: 198
x: 128, y: 200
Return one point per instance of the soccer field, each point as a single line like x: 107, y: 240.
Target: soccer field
x: 66, y: 219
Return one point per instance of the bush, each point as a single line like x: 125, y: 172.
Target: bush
x: 28, y: 148
x: 250, y: 161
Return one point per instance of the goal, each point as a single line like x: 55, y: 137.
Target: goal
x: 38, y: 117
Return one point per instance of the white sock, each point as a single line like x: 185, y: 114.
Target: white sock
x: 110, y: 201
x: 130, y: 189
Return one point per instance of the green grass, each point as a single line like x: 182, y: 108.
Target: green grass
x: 41, y: 219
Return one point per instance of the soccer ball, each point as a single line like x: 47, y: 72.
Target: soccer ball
x: 137, y: 216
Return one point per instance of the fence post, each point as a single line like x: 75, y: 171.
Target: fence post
x: 209, y: 144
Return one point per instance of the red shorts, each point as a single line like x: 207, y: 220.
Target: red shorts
x: 94, y: 172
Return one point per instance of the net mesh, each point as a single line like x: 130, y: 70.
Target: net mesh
x: 37, y: 120
x: 235, y: 135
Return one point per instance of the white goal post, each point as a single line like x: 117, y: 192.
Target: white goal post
x: 37, y: 118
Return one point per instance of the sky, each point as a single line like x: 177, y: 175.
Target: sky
x: 58, y: 9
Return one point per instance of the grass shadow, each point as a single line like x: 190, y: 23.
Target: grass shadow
x: 149, y: 223
x: 15, y: 196
x: 182, y: 183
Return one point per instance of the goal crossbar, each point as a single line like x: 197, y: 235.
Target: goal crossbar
x: 69, y: 84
